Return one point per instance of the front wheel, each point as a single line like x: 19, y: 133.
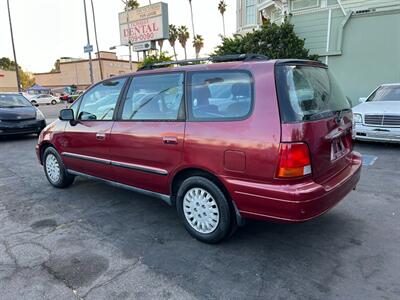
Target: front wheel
x: 204, y: 210
x: 55, y: 170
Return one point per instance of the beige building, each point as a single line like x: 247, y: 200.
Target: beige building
x: 76, y: 71
x: 8, y: 81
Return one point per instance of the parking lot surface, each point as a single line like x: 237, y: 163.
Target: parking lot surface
x: 94, y: 241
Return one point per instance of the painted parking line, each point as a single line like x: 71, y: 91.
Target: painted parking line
x: 369, y: 160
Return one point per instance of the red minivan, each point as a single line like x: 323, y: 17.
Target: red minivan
x: 240, y: 137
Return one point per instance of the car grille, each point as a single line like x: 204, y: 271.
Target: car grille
x: 382, y: 120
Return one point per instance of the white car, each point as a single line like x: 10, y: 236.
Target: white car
x: 44, y: 99
x: 377, y: 118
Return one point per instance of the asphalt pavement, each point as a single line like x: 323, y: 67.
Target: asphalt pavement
x: 94, y: 241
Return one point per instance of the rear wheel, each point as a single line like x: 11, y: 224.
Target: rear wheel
x: 204, y: 210
x: 55, y: 170
x: 53, y: 102
x: 33, y: 102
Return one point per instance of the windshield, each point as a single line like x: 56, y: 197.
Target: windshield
x: 308, y: 93
x: 13, y: 100
x: 386, y: 93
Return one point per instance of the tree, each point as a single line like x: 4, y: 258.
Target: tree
x: 191, y: 13
x: 56, y: 67
x: 198, y: 44
x: 26, y: 78
x: 131, y: 4
x: 7, y: 64
x: 272, y: 40
x: 222, y: 9
x: 183, y: 36
x: 173, y: 36
x: 155, y: 58
x: 160, y: 44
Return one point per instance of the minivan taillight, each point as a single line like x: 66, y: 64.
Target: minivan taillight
x: 294, y: 160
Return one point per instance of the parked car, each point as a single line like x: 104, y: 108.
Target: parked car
x: 72, y: 97
x: 19, y: 116
x: 44, y: 99
x: 252, y: 138
x: 377, y: 118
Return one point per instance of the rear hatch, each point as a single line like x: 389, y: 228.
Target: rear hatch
x: 315, y: 111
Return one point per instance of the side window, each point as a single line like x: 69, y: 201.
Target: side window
x: 220, y: 95
x: 154, y: 97
x: 99, y: 103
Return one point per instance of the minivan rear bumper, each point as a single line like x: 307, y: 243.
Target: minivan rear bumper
x: 286, y: 202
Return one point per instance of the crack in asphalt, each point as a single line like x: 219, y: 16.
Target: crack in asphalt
x: 116, y: 276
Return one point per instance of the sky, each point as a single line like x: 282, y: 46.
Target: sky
x: 45, y: 30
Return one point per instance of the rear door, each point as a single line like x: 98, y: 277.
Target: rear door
x: 86, y: 142
x: 314, y: 110
x: 147, y: 138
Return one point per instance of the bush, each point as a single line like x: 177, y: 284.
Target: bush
x: 155, y: 58
x: 272, y: 40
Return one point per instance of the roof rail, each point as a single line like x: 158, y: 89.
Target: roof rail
x: 212, y: 59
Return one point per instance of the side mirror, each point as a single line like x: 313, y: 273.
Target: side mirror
x: 363, y: 99
x: 66, y: 115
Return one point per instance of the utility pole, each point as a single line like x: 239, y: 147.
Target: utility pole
x: 88, y: 44
x: 13, y: 46
x: 97, y: 42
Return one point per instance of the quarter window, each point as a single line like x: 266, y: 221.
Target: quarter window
x: 154, y: 97
x: 99, y: 102
x: 220, y: 95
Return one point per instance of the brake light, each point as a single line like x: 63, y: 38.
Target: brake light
x: 294, y: 160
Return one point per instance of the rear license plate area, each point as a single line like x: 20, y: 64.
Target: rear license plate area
x: 338, y: 149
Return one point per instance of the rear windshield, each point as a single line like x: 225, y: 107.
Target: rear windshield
x: 386, y: 93
x: 308, y: 93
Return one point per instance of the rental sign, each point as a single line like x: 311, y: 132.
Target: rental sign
x: 144, y: 24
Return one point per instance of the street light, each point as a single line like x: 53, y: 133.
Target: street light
x: 88, y: 44
x: 13, y: 46
x: 97, y: 41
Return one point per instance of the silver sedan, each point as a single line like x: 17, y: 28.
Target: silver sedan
x: 377, y: 118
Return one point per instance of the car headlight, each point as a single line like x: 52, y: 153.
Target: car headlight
x: 357, y: 118
x: 39, y: 115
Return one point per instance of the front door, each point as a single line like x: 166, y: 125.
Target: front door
x: 86, y: 142
x: 147, y: 137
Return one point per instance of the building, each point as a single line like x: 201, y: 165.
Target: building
x: 75, y: 71
x: 358, y: 39
x: 8, y: 81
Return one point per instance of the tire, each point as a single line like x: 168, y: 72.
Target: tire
x: 204, y: 210
x: 55, y: 170
x: 33, y: 102
x: 53, y: 102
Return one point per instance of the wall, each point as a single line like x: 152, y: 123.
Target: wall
x: 78, y: 73
x: 371, y: 54
x: 8, y: 81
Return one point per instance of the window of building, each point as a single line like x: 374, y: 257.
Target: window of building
x: 154, y: 97
x: 220, y: 95
x: 251, y: 12
x: 304, y: 4
x: 100, y: 101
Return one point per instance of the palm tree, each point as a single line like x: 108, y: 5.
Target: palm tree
x: 173, y: 36
x: 191, y: 13
x: 183, y: 36
x: 222, y: 9
x: 131, y: 4
x: 198, y: 43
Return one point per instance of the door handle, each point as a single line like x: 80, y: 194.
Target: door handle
x: 100, y: 136
x: 170, y: 140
